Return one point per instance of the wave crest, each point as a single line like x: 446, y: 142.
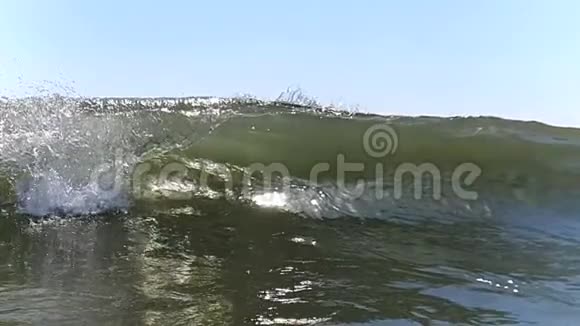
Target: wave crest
x: 52, y: 146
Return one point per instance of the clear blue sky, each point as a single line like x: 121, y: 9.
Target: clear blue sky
x: 517, y: 59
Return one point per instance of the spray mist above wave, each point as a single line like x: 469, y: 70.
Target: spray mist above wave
x: 62, y: 154
x: 51, y: 147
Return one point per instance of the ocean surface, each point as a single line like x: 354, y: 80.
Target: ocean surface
x: 218, y: 211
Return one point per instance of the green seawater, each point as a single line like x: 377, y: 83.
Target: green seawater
x: 205, y: 246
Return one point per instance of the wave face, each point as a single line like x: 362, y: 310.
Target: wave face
x: 70, y: 156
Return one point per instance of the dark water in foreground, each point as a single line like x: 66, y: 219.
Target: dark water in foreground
x: 204, y: 245
x: 236, y: 266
